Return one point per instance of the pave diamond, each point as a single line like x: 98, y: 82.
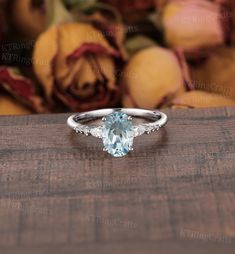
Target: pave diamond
x: 139, y: 130
x: 117, y: 134
x: 96, y: 132
x: 145, y: 128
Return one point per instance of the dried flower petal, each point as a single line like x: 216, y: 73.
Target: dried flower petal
x: 9, y: 106
x: 21, y: 88
x: 201, y: 99
x: 216, y: 74
x: 152, y: 78
x: 113, y: 32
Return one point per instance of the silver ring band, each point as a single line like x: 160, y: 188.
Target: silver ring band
x: 156, y: 120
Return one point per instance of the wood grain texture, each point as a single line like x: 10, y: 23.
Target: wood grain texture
x: 175, y: 193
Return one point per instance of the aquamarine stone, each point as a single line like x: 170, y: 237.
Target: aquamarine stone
x: 117, y: 134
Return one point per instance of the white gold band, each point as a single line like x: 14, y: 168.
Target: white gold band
x: 156, y: 120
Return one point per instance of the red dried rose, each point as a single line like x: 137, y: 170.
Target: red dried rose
x: 76, y: 64
x: 21, y: 88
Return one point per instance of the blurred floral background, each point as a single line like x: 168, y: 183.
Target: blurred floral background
x: 78, y: 55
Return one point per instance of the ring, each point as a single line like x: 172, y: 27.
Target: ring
x: 118, y: 129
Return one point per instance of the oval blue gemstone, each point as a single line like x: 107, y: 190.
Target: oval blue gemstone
x: 117, y: 134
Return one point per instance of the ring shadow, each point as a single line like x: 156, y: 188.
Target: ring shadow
x: 155, y: 143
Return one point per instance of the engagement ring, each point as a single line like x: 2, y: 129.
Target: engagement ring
x: 118, y: 129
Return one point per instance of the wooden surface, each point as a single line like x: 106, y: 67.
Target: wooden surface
x: 60, y: 193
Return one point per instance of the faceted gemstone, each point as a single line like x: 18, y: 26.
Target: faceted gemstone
x: 117, y: 134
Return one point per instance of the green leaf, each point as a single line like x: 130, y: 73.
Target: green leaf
x: 81, y: 5
x: 93, y: 5
x: 138, y: 43
x: 57, y: 12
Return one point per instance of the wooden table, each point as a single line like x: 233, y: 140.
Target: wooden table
x: 60, y: 193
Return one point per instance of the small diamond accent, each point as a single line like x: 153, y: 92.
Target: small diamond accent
x: 82, y: 129
x: 139, y: 130
x: 96, y: 132
x: 145, y: 128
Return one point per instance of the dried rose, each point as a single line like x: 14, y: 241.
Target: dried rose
x: 21, y: 88
x: 10, y: 106
x: 216, y: 74
x: 201, y: 99
x: 76, y: 64
x: 153, y: 77
x: 28, y: 17
x: 193, y: 25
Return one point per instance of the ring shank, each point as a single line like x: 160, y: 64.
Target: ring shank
x: 77, y: 122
